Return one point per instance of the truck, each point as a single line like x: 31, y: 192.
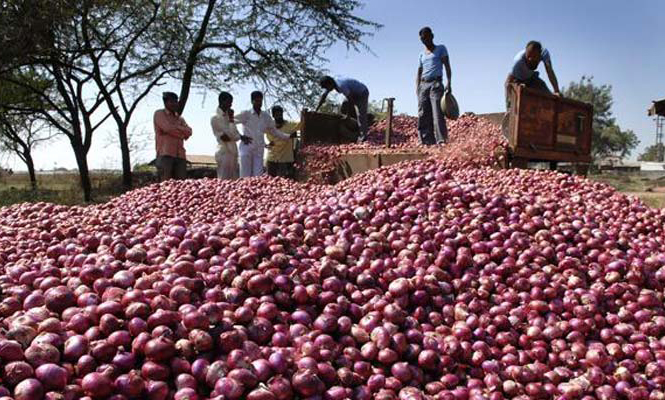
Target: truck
x: 542, y: 127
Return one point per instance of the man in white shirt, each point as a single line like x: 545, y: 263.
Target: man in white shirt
x: 255, y: 123
x: 227, y: 135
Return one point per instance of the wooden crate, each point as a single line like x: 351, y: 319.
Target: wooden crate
x: 320, y: 127
x: 544, y: 127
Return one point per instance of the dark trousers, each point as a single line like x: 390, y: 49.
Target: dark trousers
x: 533, y: 83
x: 171, y: 168
x: 431, y: 121
x: 282, y: 169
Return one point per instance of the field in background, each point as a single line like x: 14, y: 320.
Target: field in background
x: 63, y: 187
x: 650, y: 190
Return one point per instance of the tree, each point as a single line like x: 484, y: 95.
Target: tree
x: 127, y: 52
x: 67, y: 102
x: 608, y: 138
x: 654, y: 152
x: 277, y: 45
x: 107, y: 47
x: 22, y: 131
x: 19, y: 135
x: 104, y: 56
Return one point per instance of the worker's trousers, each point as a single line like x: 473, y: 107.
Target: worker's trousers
x: 251, y: 162
x: 431, y: 121
x: 169, y: 167
x: 360, y: 103
x: 227, y: 165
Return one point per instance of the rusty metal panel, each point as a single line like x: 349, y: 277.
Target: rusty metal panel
x: 546, y: 127
x: 537, y: 121
x: 320, y: 127
x: 574, y: 127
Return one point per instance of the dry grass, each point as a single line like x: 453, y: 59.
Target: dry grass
x: 635, y: 185
x: 62, y: 187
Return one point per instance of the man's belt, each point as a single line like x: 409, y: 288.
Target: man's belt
x: 436, y: 78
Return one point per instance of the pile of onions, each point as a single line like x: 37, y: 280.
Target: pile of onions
x: 432, y: 279
x: 472, y: 141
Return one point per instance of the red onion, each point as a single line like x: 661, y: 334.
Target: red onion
x: 42, y: 353
x: 159, y: 349
x: 97, y: 385
x: 130, y: 385
x: 10, y: 350
x: 442, y: 278
x: 229, y: 388
x: 157, y: 390
x: 29, y: 389
x: 17, y: 371
x: 52, y: 376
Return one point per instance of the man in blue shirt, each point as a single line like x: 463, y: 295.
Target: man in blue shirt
x: 429, y: 88
x: 524, y: 69
x: 356, y: 94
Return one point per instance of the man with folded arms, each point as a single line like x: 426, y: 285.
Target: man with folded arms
x: 171, y: 131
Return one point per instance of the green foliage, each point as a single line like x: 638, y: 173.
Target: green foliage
x: 654, y: 152
x: 608, y: 138
x: 278, y: 46
x: 103, y: 57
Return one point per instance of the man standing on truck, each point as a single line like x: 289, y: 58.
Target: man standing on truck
x: 524, y: 72
x: 524, y: 69
x: 429, y: 88
x: 356, y: 94
x: 171, y: 131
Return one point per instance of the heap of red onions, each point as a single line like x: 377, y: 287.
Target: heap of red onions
x: 432, y: 279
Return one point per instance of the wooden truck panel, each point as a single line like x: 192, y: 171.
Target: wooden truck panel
x: 320, y: 127
x: 548, y: 128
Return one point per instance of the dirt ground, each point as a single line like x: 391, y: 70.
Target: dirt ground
x: 649, y: 190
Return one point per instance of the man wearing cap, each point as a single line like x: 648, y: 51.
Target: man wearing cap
x: 171, y: 131
x: 357, y: 95
x: 429, y: 88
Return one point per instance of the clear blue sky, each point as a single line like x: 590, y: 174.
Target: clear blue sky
x: 617, y: 42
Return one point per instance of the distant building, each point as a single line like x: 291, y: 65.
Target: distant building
x: 615, y: 163
x: 196, y: 161
x: 652, y: 166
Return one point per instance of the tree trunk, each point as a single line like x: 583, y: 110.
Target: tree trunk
x: 84, y: 172
x: 31, y: 169
x: 126, y: 161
